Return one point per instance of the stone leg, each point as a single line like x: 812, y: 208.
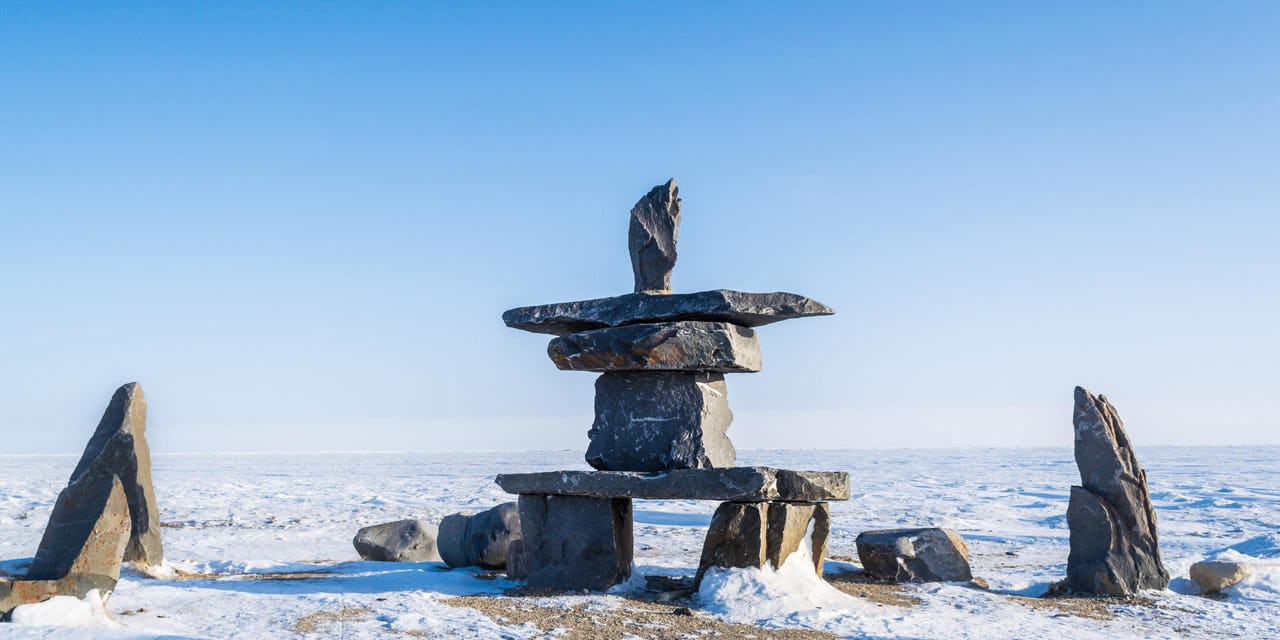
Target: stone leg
x: 756, y: 534
x: 574, y: 542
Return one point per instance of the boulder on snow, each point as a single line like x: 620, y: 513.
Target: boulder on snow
x: 1216, y: 575
x: 400, y: 541
x: 479, y: 540
x: 914, y: 555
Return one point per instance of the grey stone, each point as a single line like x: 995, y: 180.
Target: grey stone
x: 88, y: 531
x: 400, y: 541
x: 77, y: 585
x: 739, y: 484
x: 659, y: 420
x: 575, y: 543
x: 914, y: 555
x: 515, y: 560
x: 667, y: 346
x: 1215, y: 575
x: 119, y: 447
x: 759, y: 534
x: 735, y: 307
x: 1114, y: 545
x: 479, y: 540
x: 655, y: 228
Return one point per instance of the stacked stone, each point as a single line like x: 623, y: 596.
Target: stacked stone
x: 661, y: 422
x: 661, y: 401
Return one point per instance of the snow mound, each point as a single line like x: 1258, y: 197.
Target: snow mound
x: 793, y: 592
x: 65, y: 611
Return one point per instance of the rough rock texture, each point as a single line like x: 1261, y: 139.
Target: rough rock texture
x: 87, y: 534
x: 914, y: 555
x: 720, y: 305
x: 756, y: 534
x: 654, y: 421
x: 1215, y: 575
x: 790, y: 523
x: 667, y: 346
x: 400, y: 541
x: 655, y: 227
x: 1114, y: 546
x: 740, y: 484
x: 574, y: 543
x: 20, y: 592
x: 119, y: 447
x: 515, y: 560
x: 479, y: 540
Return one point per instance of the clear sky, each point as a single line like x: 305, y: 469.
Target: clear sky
x: 298, y: 224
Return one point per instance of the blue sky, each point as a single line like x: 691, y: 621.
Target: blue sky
x: 297, y: 225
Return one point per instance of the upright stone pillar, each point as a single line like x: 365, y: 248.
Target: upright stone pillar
x: 576, y: 542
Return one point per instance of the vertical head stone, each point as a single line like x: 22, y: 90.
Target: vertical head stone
x: 655, y: 226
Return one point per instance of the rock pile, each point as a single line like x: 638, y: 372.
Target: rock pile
x: 106, y: 515
x: 661, y: 422
x: 661, y: 401
x: 1115, y: 550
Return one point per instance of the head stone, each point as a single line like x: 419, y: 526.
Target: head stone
x: 655, y: 226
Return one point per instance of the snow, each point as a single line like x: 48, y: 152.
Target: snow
x: 261, y: 546
x: 64, y: 611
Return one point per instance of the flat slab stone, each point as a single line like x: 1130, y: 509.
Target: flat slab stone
x: 740, y: 484
x: 666, y: 346
x: 719, y: 305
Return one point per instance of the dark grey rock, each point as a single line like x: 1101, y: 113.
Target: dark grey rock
x: 400, y: 541
x: 1114, y: 545
x: 735, y: 307
x: 77, y: 585
x: 119, y: 447
x: 759, y: 534
x: 655, y: 228
x: 667, y: 346
x: 515, y: 560
x: 88, y: 531
x: 658, y: 420
x: 914, y: 555
x: 479, y: 540
x: 739, y: 484
x: 575, y: 543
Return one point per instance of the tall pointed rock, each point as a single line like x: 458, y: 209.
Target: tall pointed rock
x: 119, y: 448
x: 655, y: 226
x: 1114, y: 546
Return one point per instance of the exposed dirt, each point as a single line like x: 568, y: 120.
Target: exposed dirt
x: 308, y: 624
x: 861, y: 585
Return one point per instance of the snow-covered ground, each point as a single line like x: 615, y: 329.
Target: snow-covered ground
x: 238, y: 517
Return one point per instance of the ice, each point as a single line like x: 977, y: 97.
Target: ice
x: 261, y: 545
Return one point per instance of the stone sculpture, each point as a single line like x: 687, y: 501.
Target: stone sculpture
x: 1115, y: 550
x: 661, y: 422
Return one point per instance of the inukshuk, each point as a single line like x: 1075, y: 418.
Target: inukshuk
x: 661, y: 421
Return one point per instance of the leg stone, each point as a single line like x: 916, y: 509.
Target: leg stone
x: 756, y: 534
x: 574, y: 542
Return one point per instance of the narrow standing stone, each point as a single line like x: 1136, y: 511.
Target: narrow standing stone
x: 87, y: 534
x: 119, y: 447
x: 573, y: 543
x: 1114, y: 546
x: 655, y: 227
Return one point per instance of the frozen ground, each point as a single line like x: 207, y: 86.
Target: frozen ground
x: 271, y: 533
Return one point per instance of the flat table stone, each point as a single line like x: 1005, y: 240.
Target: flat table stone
x: 719, y: 305
x: 739, y: 484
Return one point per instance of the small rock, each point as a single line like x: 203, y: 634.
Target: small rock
x: 655, y: 228
x: 915, y: 555
x: 1216, y: 575
x: 400, y: 541
x: 479, y: 540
